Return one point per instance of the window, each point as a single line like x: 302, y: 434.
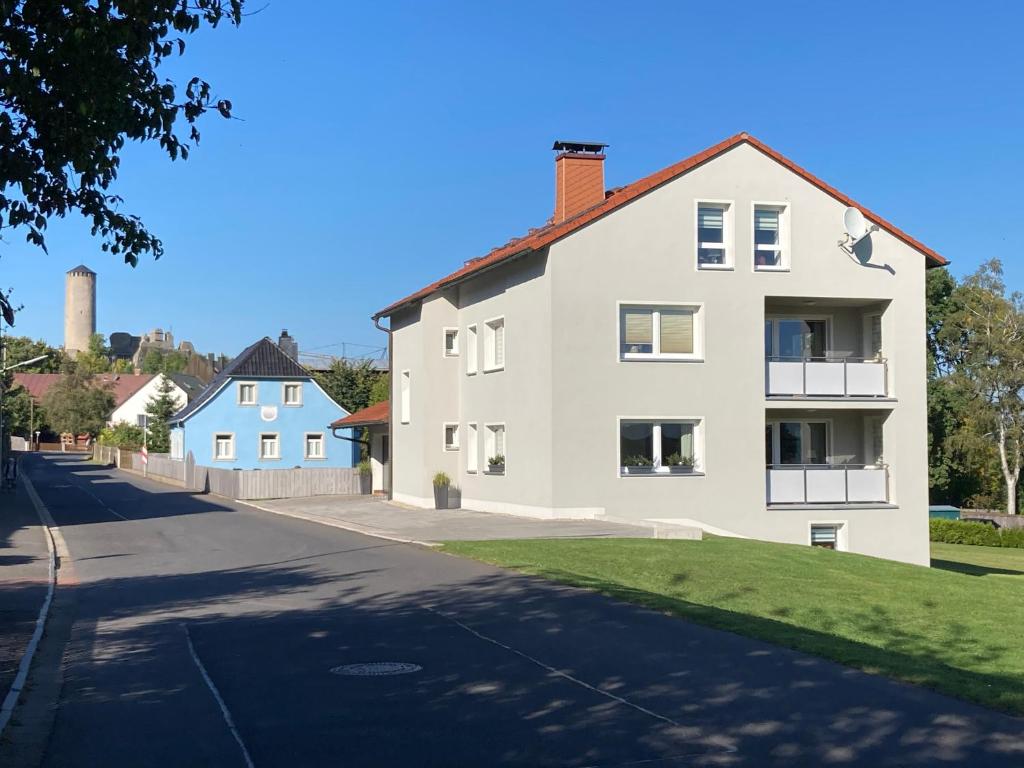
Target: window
x: 495, y: 448
x: 292, y: 394
x: 406, y: 396
x: 494, y: 344
x: 224, y: 447
x: 662, y: 332
x: 714, y: 236
x: 471, y: 350
x: 247, y: 393
x: 472, y: 448
x: 140, y: 420
x: 770, y: 237
x: 314, y: 448
x: 270, y: 447
x: 873, y: 337
x: 451, y: 437
x: 796, y: 338
x: 798, y: 442
x: 451, y: 342
x: 667, y: 447
x: 826, y: 536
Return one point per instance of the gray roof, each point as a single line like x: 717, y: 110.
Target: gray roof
x: 192, y: 385
x: 262, y: 360
x: 81, y: 268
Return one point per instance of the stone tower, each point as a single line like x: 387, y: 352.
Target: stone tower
x: 79, y: 309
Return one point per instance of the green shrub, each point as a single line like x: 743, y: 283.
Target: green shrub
x: 441, y: 480
x: 978, y: 534
x: 122, y: 435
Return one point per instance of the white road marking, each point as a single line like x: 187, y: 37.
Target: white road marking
x: 7, y: 708
x: 100, y: 501
x: 220, y: 701
x: 553, y: 671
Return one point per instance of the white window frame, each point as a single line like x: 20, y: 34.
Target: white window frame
x: 775, y: 319
x: 866, y: 334
x: 842, y: 532
x: 472, y: 350
x: 472, y: 448
x: 785, y: 225
x: 444, y: 436
x: 305, y: 446
x: 444, y: 342
x: 284, y: 393
x: 490, y: 348
x: 259, y: 446
x: 699, y: 456
x: 231, y: 439
x: 405, y: 395
x: 697, y: 356
x: 728, y: 235
x: 255, y: 393
x: 489, y: 446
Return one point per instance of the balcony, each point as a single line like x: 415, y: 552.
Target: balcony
x: 827, y: 484
x: 825, y: 377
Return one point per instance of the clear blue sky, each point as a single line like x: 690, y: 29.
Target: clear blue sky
x: 382, y: 144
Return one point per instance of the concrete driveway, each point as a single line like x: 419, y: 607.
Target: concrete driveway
x: 376, y: 517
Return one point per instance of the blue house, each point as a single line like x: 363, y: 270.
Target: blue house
x: 263, y: 411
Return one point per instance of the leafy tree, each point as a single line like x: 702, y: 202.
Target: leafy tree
x: 173, y: 362
x: 79, y: 79
x: 159, y: 409
x: 350, y: 383
x: 122, y: 366
x: 96, y: 359
x: 381, y: 389
x: 122, y: 435
x: 21, y: 415
x: 985, y: 333
x: 21, y: 348
x: 153, y: 361
x: 78, y: 405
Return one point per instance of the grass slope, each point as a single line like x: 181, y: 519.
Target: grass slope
x: 956, y: 627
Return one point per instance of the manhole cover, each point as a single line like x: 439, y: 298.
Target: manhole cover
x: 377, y: 669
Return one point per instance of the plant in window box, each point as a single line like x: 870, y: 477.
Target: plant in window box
x: 678, y: 464
x: 441, y: 485
x: 496, y: 464
x: 637, y: 465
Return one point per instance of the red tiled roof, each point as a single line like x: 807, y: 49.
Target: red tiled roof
x: 122, y: 385
x: 379, y: 413
x: 548, y: 234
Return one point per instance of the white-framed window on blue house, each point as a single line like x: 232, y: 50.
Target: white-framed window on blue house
x: 291, y: 393
x: 224, y: 446
x: 314, y: 446
x: 269, y: 446
x: 247, y: 393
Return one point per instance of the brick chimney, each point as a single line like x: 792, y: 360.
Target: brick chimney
x: 579, y: 177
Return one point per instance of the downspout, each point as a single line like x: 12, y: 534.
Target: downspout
x: 388, y: 471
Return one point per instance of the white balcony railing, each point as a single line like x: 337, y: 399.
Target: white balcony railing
x: 825, y: 377
x: 827, y: 484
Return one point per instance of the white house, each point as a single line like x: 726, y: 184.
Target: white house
x: 704, y: 346
x: 146, y: 386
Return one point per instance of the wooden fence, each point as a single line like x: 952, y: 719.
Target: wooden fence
x: 246, y: 484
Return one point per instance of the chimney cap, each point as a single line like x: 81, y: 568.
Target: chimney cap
x: 594, y: 147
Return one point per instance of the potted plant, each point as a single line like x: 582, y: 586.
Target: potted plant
x: 637, y: 465
x: 365, y: 476
x: 678, y: 464
x: 496, y: 464
x: 441, y: 485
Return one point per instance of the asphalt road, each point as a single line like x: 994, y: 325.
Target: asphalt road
x: 514, y: 671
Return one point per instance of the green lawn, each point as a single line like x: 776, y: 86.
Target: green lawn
x: 956, y: 627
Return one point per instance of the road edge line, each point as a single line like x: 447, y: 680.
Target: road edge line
x: 14, y: 692
x: 216, y: 695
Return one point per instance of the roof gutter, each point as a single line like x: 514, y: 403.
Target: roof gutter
x: 388, y: 471
x: 391, y: 310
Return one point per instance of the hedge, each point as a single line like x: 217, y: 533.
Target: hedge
x: 981, y: 534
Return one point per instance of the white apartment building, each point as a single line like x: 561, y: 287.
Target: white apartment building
x: 697, y: 347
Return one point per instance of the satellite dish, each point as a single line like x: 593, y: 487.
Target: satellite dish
x: 855, y: 225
